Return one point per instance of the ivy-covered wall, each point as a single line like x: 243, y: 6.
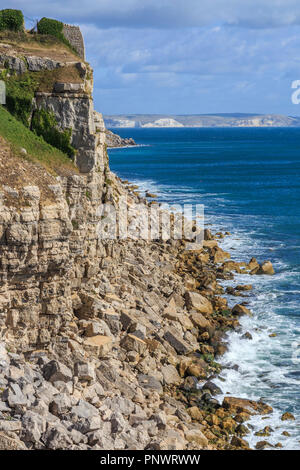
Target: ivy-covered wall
x: 50, y: 27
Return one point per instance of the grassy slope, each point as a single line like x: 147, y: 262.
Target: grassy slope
x: 38, y: 44
x: 18, y: 136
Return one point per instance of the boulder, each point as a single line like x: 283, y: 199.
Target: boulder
x: 229, y: 424
x: 55, y: 371
x: 10, y: 425
x: 195, y: 413
x: 86, y: 417
x: 198, y: 302
x: 245, y: 287
x: 262, y: 445
x: 84, y: 371
x: 210, y: 244
x: 229, y: 266
x: 118, y: 423
x: 197, y: 437
x: 100, y: 345
x: 9, y: 443
x: 150, y: 383
x: 220, y: 255
x: 34, y: 425
x: 253, y: 265
x: 13, y: 63
x: 239, y: 442
x: 200, y: 321
x: 171, y: 310
x: 132, y: 342
x: 266, y: 268
x: 57, y: 437
x: 170, y: 375
x: 242, y: 405
x: 14, y: 396
x: 240, y: 309
x: 287, y: 416
x: 196, y: 369
x: 173, y: 337
x: 247, y: 335
x: 213, y: 388
x: 60, y: 404
x: 36, y: 64
x: 207, y: 234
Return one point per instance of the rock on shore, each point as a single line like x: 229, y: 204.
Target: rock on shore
x: 105, y: 342
x: 114, y: 140
x: 129, y: 364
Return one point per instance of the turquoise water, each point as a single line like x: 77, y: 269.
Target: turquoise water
x: 249, y: 181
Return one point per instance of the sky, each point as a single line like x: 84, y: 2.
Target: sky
x: 185, y: 56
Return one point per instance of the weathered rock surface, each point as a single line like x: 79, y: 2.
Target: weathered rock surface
x: 103, y: 340
x: 196, y: 301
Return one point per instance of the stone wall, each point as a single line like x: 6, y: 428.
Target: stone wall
x: 75, y: 38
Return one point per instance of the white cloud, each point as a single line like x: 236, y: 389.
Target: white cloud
x: 167, y: 13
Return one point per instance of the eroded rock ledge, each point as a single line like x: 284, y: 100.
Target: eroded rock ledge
x: 114, y: 140
x: 103, y: 342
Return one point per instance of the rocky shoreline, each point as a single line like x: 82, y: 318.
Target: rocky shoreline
x: 140, y: 359
x: 105, y: 343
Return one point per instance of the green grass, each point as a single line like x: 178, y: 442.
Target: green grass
x: 19, y: 136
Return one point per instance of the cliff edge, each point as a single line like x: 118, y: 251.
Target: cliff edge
x: 105, y: 343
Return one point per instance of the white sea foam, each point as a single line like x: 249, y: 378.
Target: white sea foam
x: 265, y: 366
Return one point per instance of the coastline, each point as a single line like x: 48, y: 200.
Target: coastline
x: 146, y: 325
x: 116, y: 341
x: 224, y: 269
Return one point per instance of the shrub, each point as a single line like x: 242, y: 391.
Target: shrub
x: 44, y: 124
x: 12, y: 20
x: 50, y: 27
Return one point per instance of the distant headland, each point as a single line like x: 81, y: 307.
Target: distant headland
x: 201, y: 120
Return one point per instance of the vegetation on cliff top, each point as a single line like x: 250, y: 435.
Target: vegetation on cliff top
x: 11, y: 20
x: 54, y: 28
x: 47, y: 28
x: 19, y: 136
x: 38, y: 44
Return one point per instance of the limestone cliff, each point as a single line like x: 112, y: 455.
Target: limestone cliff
x: 114, y: 140
x: 103, y: 342
x: 49, y: 249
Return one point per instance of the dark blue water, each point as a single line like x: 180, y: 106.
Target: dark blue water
x: 249, y: 181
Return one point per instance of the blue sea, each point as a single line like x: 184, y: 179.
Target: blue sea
x: 249, y: 182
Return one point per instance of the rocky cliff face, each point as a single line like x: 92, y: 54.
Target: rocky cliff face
x: 48, y: 249
x: 103, y: 342
x: 114, y: 140
x: 46, y: 252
